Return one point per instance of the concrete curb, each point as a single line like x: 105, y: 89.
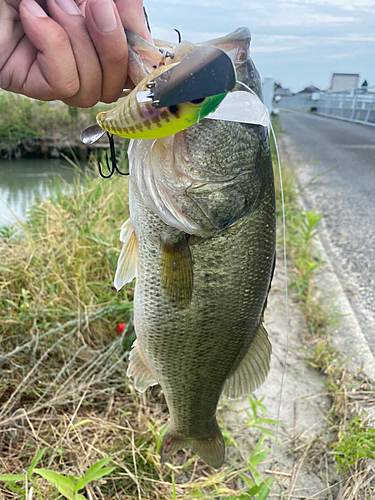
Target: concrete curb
x: 346, y: 119
x: 330, y: 116
x: 348, y: 337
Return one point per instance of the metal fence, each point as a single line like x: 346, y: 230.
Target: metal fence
x: 355, y: 105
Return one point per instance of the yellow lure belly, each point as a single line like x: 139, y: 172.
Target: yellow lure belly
x: 136, y: 120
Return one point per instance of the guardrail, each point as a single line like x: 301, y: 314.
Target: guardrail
x: 357, y: 105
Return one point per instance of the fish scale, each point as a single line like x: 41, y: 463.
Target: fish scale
x: 228, y: 296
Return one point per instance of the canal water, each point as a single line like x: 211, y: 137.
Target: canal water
x: 22, y: 181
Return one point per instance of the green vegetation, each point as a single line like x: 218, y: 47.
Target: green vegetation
x: 356, y: 442
x: 67, y: 486
x: 350, y: 434
x: 60, y: 265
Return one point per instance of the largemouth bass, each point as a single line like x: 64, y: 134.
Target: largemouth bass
x: 201, y: 243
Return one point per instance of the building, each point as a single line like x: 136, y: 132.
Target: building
x: 309, y: 90
x: 343, y: 81
x: 280, y: 93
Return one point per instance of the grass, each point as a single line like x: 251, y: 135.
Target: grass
x: 68, y: 487
x: 64, y: 390
x: 350, y: 435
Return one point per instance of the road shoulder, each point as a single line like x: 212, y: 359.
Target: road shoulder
x: 348, y: 337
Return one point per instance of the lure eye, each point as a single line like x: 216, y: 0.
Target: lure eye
x: 197, y: 101
x: 173, y: 109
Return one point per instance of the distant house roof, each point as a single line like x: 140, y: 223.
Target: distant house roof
x: 343, y: 81
x: 282, y: 92
x: 309, y: 90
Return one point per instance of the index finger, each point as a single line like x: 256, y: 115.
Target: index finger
x: 133, y: 18
x: 106, y: 32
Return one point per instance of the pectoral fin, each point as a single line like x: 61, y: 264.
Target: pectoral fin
x: 177, y: 272
x: 139, y: 370
x: 253, y: 368
x: 127, y: 262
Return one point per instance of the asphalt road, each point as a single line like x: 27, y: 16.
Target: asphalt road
x: 345, y: 196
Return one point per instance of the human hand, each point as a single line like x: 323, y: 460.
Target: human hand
x: 74, y: 53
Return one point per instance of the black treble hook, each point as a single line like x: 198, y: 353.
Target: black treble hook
x: 113, y: 160
x: 179, y: 35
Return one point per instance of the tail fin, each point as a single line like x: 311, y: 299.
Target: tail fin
x: 210, y: 449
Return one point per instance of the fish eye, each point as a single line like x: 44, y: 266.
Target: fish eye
x: 197, y: 101
x: 173, y: 109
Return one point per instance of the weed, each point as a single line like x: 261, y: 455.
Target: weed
x: 259, y: 488
x: 355, y: 441
x: 67, y: 486
x: 70, y: 486
x: 61, y: 263
x: 255, y: 420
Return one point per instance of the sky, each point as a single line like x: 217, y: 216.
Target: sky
x: 296, y: 42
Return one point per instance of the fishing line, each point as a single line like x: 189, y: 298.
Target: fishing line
x: 286, y: 298
x: 285, y: 281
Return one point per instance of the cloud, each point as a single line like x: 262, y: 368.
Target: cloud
x: 286, y: 43
x: 214, y: 4
x: 357, y: 5
x: 337, y: 56
x: 309, y: 20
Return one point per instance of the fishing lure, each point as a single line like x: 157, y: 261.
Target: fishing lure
x: 171, y: 98
x: 143, y: 120
x: 176, y: 96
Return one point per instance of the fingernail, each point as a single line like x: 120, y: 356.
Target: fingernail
x: 69, y: 7
x: 104, y: 15
x: 34, y: 9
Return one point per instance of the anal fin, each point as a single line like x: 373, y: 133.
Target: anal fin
x: 253, y: 368
x: 177, y: 272
x: 139, y: 370
x: 127, y: 261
